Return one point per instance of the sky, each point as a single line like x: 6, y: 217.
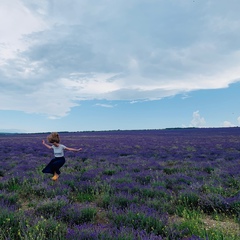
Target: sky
x: 85, y: 65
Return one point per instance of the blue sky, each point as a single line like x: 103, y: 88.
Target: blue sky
x: 82, y: 65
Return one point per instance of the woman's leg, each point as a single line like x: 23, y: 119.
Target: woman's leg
x: 56, y: 166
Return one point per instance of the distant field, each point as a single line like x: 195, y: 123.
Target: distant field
x: 124, y: 185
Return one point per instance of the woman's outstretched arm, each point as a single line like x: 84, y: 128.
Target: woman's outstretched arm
x: 46, y: 145
x: 73, y: 149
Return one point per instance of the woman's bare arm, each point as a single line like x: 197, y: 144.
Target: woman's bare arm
x: 73, y: 149
x: 46, y: 145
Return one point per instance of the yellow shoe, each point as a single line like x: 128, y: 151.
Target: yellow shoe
x: 55, y: 177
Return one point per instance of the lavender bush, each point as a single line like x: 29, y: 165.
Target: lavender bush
x: 149, y: 184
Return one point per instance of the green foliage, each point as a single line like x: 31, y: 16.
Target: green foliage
x: 189, y: 200
x: 138, y: 220
x: 44, y: 229
x: 170, y: 171
x: 79, y: 216
x: 10, y: 223
x: 208, y: 170
x: 2, y: 173
x: 109, y: 172
x: 88, y: 214
x: 233, y: 182
x: 13, y: 184
x: 50, y: 208
x: 123, y: 201
x: 104, y: 200
x: 144, y: 180
x: 85, y: 196
x: 11, y: 199
x: 197, y: 228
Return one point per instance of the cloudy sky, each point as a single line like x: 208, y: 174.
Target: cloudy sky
x: 76, y: 65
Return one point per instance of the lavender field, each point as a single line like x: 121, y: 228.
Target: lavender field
x: 149, y: 184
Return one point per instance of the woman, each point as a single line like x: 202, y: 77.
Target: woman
x: 58, y: 149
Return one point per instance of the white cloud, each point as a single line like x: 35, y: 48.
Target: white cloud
x: 104, y: 105
x: 238, y: 119
x: 56, y: 53
x: 227, y: 124
x: 51, y: 99
x: 197, y: 120
x: 16, y: 21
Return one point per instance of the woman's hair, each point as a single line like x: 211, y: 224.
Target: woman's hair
x: 53, y: 138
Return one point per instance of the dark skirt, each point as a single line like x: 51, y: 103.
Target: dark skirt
x: 54, y: 165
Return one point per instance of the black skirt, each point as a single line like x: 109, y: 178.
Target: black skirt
x: 54, y: 165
